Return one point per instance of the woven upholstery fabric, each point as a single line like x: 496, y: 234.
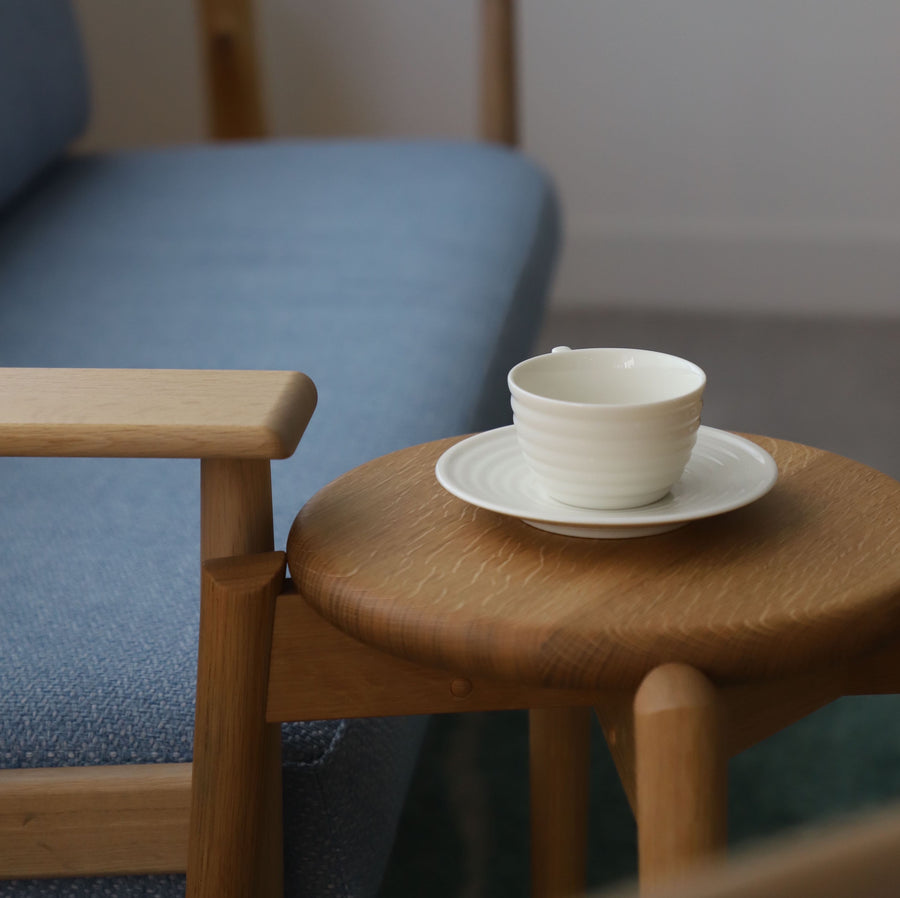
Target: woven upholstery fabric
x: 404, y: 278
x: 43, y: 93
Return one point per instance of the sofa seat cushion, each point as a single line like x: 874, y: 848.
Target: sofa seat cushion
x: 405, y: 279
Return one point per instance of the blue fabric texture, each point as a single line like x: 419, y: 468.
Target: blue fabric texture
x: 43, y: 88
x: 404, y: 278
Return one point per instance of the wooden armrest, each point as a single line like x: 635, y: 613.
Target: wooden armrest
x: 153, y: 413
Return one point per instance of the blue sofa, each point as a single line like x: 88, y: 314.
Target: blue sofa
x: 405, y: 278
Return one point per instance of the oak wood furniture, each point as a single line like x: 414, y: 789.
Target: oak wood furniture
x: 847, y: 859
x: 690, y: 646
x: 235, y: 103
x: 135, y: 818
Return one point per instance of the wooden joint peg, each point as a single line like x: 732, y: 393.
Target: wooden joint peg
x: 681, y: 772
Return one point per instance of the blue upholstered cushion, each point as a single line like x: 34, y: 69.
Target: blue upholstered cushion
x: 43, y: 91
x: 403, y: 278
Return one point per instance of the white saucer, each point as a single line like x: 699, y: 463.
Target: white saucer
x: 725, y: 472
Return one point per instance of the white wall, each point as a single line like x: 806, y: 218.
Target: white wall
x: 710, y: 153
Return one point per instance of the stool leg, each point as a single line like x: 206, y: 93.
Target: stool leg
x: 560, y: 760
x: 681, y: 772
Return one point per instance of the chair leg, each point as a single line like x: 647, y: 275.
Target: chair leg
x: 235, y: 829
x: 560, y: 760
x: 681, y: 772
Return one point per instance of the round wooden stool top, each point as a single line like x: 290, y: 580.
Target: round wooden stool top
x: 806, y: 576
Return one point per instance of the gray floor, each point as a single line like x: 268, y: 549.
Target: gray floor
x: 829, y: 383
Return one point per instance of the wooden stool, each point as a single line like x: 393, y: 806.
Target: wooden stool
x: 691, y: 645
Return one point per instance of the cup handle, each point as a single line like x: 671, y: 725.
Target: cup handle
x: 561, y: 349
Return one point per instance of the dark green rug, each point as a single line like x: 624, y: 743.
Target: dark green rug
x: 465, y: 828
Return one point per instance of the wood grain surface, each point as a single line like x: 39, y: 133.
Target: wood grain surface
x: 806, y: 577
x: 498, y: 98
x: 143, y: 413
x: 100, y: 820
x: 231, y: 830
x: 844, y: 859
x: 237, y: 789
x: 559, y: 778
x: 681, y: 773
x: 318, y: 672
x: 230, y: 64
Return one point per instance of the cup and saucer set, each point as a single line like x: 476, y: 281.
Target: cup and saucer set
x: 607, y: 443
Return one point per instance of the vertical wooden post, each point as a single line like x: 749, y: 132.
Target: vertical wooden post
x: 499, y: 113
x: 235, y: 508
x: 229, y: 59
x: 681, y: 772
x: 560, y: 762
x: 228, y: 849
x: 236, y: 821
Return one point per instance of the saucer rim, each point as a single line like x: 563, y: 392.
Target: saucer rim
x: 641, y: 517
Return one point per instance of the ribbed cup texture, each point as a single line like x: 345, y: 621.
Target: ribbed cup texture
x: 610, y: 457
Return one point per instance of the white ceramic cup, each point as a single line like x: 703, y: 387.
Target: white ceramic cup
x: 606, y: 428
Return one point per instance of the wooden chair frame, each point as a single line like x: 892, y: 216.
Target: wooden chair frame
x: 264, y: 655
x: 228, y: 51
x: 135, y: 818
